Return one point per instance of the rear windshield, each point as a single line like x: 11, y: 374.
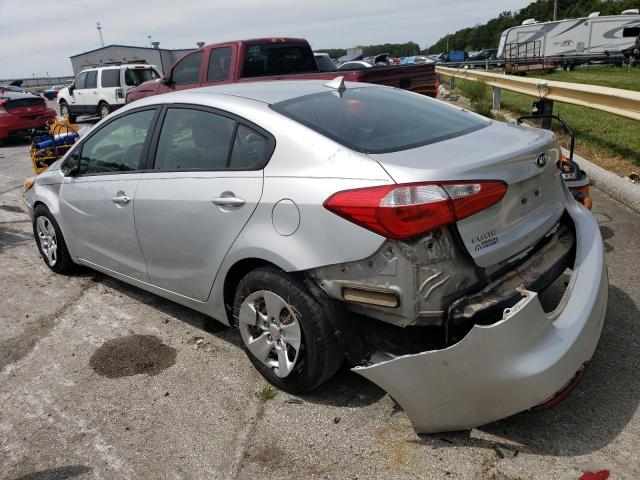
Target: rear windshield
x: 135, y: 76
x: 379, y: 120
x: 278, y: 59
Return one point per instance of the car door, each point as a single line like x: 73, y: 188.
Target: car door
x: 204, y: 184
x: 76, y: 94
x: 97, y: 201
x: 89, y: 99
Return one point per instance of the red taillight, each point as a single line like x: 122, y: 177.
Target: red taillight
x: 404, y: 211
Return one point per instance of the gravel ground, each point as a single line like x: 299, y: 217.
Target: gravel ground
x: 102, y: 380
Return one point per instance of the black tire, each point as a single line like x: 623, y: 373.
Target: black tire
x: 320, y: 354
x: 103, y: 109
x: 63, y: 263
x: 64, y: 107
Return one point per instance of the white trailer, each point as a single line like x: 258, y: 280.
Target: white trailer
x: 589, y: 37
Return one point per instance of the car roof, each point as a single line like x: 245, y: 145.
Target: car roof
x: 271, y: 92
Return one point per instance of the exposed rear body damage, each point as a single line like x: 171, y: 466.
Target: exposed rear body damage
x: 514, y: 364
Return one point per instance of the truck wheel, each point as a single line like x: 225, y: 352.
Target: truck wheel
x: 285, y: 331
x: 65, y: 111
x: 103, y: 109
x: 50, y: 242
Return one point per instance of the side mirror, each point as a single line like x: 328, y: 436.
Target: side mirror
x: 71, y: 166
x: 70, y: 88
x: 166, y: 80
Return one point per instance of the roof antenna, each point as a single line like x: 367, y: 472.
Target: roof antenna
x: 337, y: 84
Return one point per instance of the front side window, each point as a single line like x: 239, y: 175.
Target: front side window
x: 118, y: 146
x: 80, y: 81
x: 92, y: 79
x: 135, y: 76
x: 194, y: 140
x: 110, y: 78
x: 378, y: 119
x: 188, y: 69
x: 219, y: 63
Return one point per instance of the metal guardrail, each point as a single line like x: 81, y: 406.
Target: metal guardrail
x: 625, y: 103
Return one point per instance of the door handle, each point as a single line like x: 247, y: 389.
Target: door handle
x: 228, y: 201
x: 121, y: 199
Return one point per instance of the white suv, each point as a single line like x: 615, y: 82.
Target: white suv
x: 100, y: 90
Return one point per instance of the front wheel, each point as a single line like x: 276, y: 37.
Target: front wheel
x: 50, y: 242
x: 286, y: 332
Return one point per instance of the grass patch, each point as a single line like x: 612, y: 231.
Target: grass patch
x: 479, y: 95
x: 267, y: 393
x: 599, y: 135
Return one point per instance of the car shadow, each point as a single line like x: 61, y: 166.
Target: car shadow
x: 595, y: 413
x: 344, y: 389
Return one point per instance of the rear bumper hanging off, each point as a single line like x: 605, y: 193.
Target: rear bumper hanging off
x: 510, y: 366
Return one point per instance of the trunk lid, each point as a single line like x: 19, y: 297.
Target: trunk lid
x: 24, y: 105
x: 525, y: 158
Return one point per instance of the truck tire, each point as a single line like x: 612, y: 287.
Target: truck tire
x: 103, y: 109
x: 65, y: 111
x: 285, y: 331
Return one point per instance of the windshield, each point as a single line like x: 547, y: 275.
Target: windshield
x: 135, y: 76
x: 379, y: 119
x: 278, y: 59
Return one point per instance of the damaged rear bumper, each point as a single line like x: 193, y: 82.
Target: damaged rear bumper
x: 510, y: 366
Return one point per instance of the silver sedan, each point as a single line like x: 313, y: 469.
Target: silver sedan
x: 334, y: 222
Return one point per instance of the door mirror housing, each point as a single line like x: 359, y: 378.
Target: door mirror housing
x: 71, y: 165
x: 70, y: 88
x: 166, y: 80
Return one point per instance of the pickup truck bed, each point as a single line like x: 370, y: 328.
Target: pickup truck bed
x: 275, y: 59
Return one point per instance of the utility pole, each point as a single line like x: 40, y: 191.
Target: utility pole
x: 99, y: 27
x: 447, y: 42
x: 555, y: 10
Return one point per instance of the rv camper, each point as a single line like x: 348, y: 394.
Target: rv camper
x: 583, y: 39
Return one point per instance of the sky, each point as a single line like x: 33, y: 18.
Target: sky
x: 39, y: 37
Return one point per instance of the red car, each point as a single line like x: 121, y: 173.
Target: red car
x: 22, y: 113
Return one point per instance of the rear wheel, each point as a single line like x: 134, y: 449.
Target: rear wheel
x: 286, y: 332
x: 103, y: 109
x: 50, y: 242
x: 65, y: 111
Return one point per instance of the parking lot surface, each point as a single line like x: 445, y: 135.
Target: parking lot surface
x: 102, y: 380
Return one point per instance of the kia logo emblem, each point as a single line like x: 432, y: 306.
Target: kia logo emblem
x: 541, y: 161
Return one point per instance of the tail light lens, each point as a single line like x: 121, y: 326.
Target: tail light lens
x: 405, y: 211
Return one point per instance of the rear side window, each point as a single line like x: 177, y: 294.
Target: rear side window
x: 219, y: 63
x: 135, y: 76
x: 118, y: 146
x: 194, y: 140
x: 92, y: 79
x: 110, y: 78
x: 278, y: 59
x: 379, y: 119
x: 249, y: 149
x: 188, y: 69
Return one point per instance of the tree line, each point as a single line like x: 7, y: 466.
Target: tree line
x: 487, y: 35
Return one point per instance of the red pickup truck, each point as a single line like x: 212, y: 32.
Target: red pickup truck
x: 274, y: 59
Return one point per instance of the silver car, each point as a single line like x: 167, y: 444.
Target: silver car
x: 334, y: 222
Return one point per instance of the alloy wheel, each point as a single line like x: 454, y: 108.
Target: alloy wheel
x: 104, y: 111
x: 271, y: 331
x: 47, y: 239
